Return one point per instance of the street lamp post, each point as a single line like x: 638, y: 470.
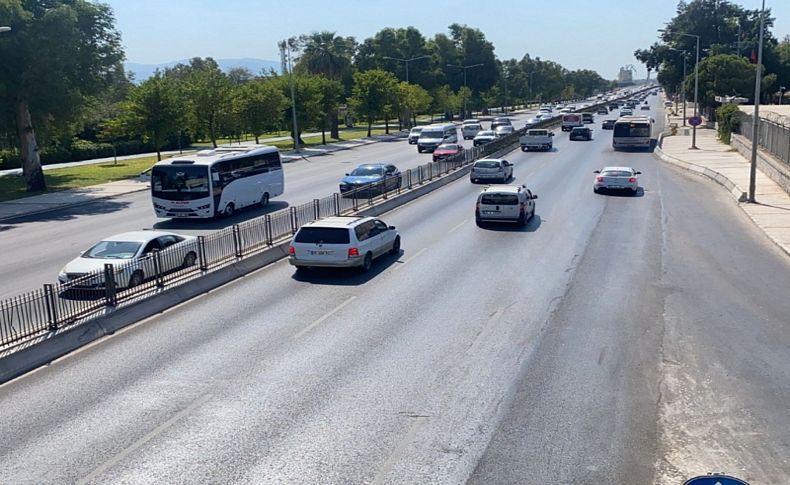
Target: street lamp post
x: 683, y: 85
x: 285, y: 49
x: 465, y: 68
x: 406, y: 61
x: 756, y: 118
x: 696, y: 89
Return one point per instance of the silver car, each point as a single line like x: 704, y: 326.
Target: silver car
x: 616, y: 178
x: 512, y: 203
x: 491, y: 169
x: 414, y: 135
x: 503, y: 130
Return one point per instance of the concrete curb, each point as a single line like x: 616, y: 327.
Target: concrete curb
x: 737, y: 192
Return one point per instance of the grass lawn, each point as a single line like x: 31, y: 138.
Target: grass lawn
x: 13, y: 186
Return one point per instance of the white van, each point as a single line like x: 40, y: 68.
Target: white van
x: 432, y: 136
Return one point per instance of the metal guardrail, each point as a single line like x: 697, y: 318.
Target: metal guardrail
x: 773, y: 138
x: 85, y: 297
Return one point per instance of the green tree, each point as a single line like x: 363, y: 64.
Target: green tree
x: 723, y: 75
x: 153, y: 112
x: 208, y: 91
x: 374, y: 94
x: 307, y: 88
x: 413, y: 100
x: 58, y: 54
x: 331, y: 91
x: 728, y: 118
x: 260, y: 104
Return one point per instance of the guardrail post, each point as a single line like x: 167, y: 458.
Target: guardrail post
x: 267, y: 229
x: 370, y: 194
x: 355, y: 199
x: 384, y: 189
x: 160, y: 282
x: 336, y: 201
x: 316, y: 209
x: 110, y: 297
x: 52, y: 308
x: 202, y: 253
x: 408, y: 178
x: 419, y: 174
x: 294, y: 222
x: 237, y: 240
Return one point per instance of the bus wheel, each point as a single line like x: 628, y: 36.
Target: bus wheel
x: 229, y: 210
x: 265, y: 200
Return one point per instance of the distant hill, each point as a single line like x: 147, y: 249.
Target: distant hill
x: 144, y: 71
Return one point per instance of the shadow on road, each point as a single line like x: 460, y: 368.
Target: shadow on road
x: 346, y: 276
x: 105, y: 206
x: 531, y: 226
x: 221, y: 222
x: 640, y: 192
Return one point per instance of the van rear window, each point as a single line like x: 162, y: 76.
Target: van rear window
x: 323, y: 235
x: 499, y: 199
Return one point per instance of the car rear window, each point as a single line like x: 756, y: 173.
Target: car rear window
x: 487, y: 164
x: 323, y: 235
x: 616, y: 173
x: 499, y: 199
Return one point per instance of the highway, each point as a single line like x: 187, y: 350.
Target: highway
x: 38, y: 246
x: 614, y: 339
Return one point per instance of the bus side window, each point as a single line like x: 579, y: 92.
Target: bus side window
x: 260, y: 165
x: 273, y: 161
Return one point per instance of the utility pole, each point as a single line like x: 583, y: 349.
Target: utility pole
x: 286, y: 47
x: 465, y: 68
x: 406, y: 61
x: 756, y: 117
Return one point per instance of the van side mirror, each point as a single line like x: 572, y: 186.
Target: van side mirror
x: 639, y: 173
x: 346, y: 175
x: 551, y: 133
x: 596, y: 171
x: 391, y: 228
x: 534, y: 196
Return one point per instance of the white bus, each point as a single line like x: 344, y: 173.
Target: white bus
x: 632, y: 132
x: 216, y: 182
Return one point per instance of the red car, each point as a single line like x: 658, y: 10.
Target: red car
x: 446, y: 150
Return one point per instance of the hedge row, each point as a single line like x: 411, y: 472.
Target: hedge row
x: 79, y: 150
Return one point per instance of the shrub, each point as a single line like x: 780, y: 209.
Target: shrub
x: 728, y: 117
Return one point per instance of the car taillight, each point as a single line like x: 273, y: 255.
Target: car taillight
x: 632, y: 179
x: 353, y: 252
x: 599, y: 179
x: 477, y: 207
x: 291, y: 251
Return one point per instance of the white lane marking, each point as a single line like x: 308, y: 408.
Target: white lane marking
x: 326, y: 315
x: 457, y: 227
x: 410, y: 259
x: 139, y: 443
x: 399, y: 451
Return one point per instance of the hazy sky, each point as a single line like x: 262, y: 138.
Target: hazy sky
x: 594, y: 34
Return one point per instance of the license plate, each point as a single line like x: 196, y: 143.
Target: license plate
x: 491, y: 212
x: 320, y: 253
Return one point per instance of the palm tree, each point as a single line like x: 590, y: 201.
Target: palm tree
x: 327, y: 54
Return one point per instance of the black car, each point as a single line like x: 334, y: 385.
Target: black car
x: 608, y: 124
x: 581, y: 133
x: 602, y: 111
x: 613, y: 106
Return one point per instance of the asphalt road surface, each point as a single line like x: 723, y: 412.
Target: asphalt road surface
x: 35, y: 248
x: 614, y: 339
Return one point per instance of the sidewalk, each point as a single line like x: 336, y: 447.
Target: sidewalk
x: 75, y: 197
x: 724, y: 165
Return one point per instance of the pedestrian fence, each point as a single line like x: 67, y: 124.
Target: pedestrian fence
x: 83, y: 297
x: 774, y: 137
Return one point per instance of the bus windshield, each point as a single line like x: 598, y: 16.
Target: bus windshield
x: 632, y: 129
x: 176, y: 182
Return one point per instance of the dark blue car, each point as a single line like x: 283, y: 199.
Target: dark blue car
x: 375, y: 177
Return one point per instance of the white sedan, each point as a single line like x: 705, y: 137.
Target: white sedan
x: 616, y: 178
x: 131, y: 255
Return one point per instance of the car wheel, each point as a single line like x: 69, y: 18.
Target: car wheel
x: 523, y: 149
x: 478, y: 222
x: 230, y: 209
x: 136, y: 279
x: 634, y: 191
x: 596, y: 190
x: 522, y: 220
x: 367, y: 263
x: 189, y: 260
x: 265, y: 200
x: 395, y: 246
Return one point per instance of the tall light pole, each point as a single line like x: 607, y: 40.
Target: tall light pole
x: 756, y: 117
x: 286, y: 47
x: 465, y: 68
x: 696, y: 88
x: 529, y: 84
x: 406, y: 61
x: 683, y: 85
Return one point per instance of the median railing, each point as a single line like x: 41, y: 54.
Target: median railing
x: 86, y: 296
